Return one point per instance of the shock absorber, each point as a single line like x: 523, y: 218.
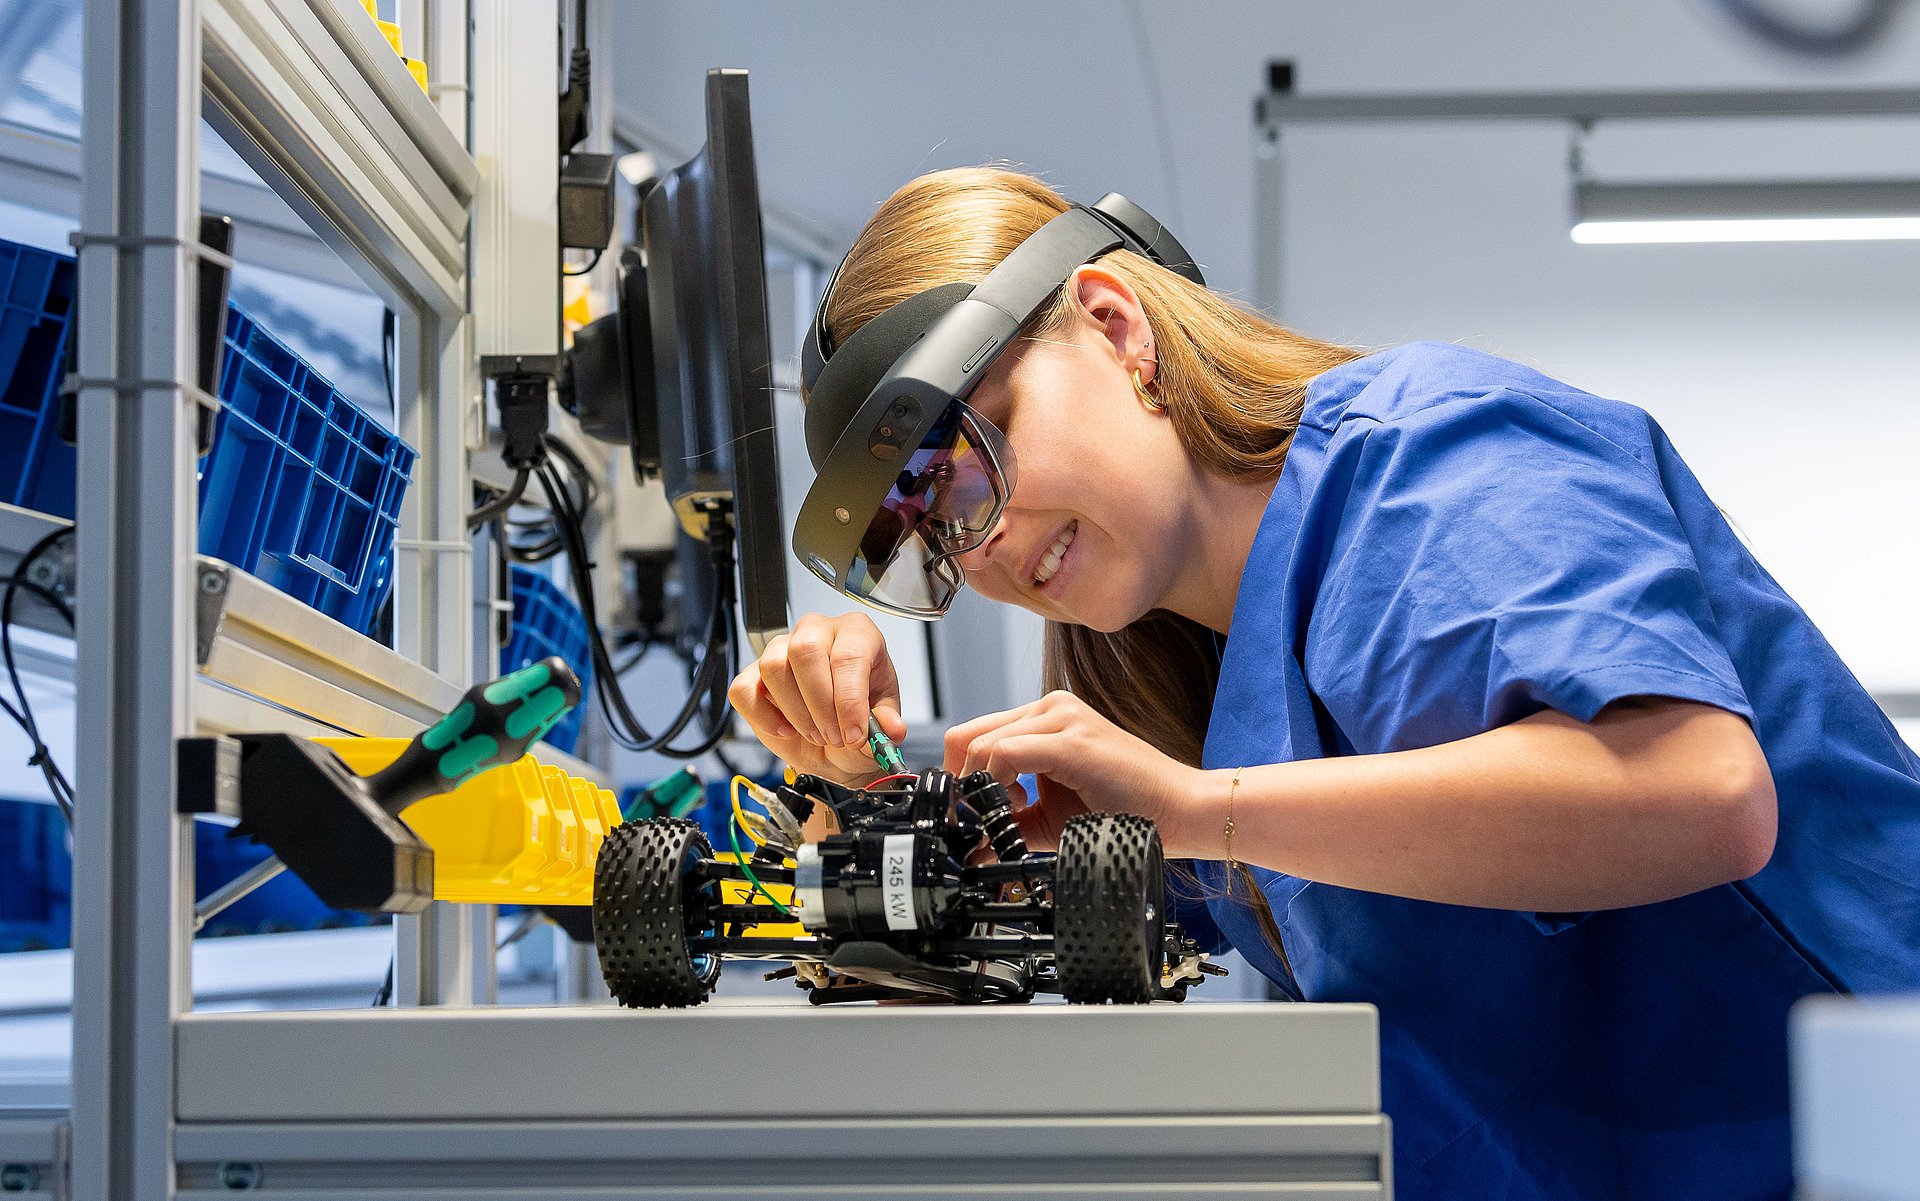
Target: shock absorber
x: 989, y: 799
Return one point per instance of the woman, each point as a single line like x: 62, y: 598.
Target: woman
x: 1456, y: 688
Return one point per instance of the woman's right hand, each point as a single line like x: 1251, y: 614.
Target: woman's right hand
x: 808, y: 695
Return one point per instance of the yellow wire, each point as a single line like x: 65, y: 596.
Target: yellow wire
x: 740, y: 816
x: 740, y: 856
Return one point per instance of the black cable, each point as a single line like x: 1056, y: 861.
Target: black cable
x: 625, y: 727
x: 591, y: 264
x: 389, y: 338
x: 42, y: 757
x: 1768, y: 23
x: 500, y: 504
x: 549, y: 543
x: 385, y: 996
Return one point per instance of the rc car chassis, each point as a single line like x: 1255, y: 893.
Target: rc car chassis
x: 890, y: 905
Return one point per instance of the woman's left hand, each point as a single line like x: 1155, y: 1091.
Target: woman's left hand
x: 1083, y: 761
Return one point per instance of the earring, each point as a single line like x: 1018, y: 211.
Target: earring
x: 1147, y: 397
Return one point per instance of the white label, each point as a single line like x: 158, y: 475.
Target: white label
x: 896, y: 880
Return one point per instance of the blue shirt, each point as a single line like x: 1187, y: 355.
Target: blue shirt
x: 1457, y: 542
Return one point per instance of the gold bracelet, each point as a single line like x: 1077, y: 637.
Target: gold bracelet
x: 1232, y: 788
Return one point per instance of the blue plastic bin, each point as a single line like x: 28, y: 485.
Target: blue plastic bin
x: 301, y: 487
x: 36, y: 307
x: 36, y: 883
x: 36, y: 877
x: 546, y: 622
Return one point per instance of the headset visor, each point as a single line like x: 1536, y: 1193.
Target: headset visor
x: 944, y: 502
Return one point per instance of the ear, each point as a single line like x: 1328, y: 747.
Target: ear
x: 1113, y: 311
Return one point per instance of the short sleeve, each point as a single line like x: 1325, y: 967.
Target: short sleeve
x: 1493, y: 556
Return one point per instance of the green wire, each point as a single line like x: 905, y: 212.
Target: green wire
x: 740, y: 857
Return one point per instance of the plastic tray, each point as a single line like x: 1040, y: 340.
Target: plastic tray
x: 301, y: 487
x: 36, y: 877
x: 546, y: 622
x: 524, y: 832
x: 36, y: 307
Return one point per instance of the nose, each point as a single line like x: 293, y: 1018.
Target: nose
x: 983, y: 554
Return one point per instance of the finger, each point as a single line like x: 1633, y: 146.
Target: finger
x: 979, y: 750
x: 763, y: 716
x: 1042, y: 822
x: 752, y: 702
x: 776, y: 677
x: 962, y: 737
x: 1040, y: 825
x: 810, y: 659
x: 891, y: 722
x: 1012, y: 755
x: 857, y: 649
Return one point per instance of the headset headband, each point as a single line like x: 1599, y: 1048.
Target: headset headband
x: 1133, y: 227
x: 874, y: 399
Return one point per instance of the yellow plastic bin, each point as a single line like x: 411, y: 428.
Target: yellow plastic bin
x: 522, y: 834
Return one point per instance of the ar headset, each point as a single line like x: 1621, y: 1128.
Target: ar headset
x: 908, y: 475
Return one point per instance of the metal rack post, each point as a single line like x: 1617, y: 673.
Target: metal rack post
x: 137, y: 523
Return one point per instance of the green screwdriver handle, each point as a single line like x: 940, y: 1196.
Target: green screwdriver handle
x: 494, y: 724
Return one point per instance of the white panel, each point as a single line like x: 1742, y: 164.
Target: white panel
x: 516, y: 213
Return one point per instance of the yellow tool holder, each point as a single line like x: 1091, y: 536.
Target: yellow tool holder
x: 523, y: 834
x: 391, y: 31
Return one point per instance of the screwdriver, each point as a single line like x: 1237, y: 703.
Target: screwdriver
x: 885, y: 753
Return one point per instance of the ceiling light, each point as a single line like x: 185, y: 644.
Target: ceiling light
x: 1745, y: 212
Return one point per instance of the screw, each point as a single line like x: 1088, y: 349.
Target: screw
x: 842, y: 516
x: 212, y: 583
x: 19, y: 1178
x: 240, y: 1177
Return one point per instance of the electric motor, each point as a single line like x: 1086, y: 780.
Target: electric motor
x: 871, y: 885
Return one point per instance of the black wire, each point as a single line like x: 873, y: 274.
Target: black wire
x: 626, y: 728
x: 389, y: 336
x: 500, y: 504
x: 589, y: 491
x: 385, y: 995
x: 591, y: 264
x: 42, y: 757
x: 521, y: 546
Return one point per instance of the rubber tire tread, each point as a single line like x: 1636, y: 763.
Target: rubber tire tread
x: 640, y: 913
x: 1109, y: 869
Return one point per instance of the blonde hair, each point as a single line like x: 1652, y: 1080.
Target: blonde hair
x: 1232, y: 383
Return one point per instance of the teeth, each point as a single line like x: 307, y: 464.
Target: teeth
x: 1050, y: 563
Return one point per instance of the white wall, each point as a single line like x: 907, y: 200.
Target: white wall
x: 1786, y: 374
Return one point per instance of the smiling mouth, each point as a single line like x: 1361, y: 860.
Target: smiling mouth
x: 1050, y: 562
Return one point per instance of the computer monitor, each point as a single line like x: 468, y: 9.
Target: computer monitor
x: 712, y: 358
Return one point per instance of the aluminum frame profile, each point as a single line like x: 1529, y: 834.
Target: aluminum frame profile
x: 39, y: 170
x: 302, y: 91
x: 528, y: 1105
x: 133, y: 853
x: 34, y: 1149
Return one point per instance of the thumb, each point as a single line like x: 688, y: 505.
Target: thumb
x: 894, y: 725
